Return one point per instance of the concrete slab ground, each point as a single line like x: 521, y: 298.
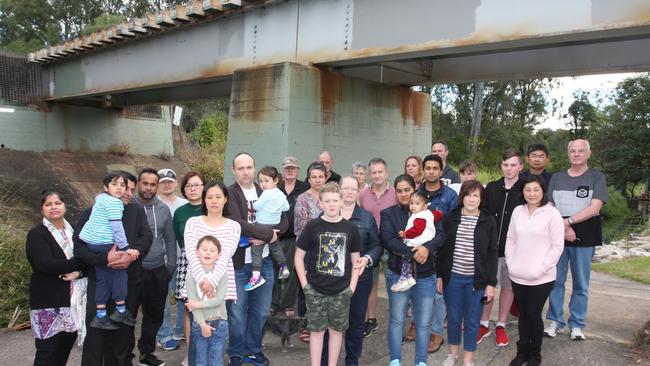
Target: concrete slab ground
x: 617, y: 308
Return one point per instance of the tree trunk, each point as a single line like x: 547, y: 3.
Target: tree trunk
x: 477, y: 114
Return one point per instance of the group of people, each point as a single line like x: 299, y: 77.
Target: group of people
x: 224, y: 259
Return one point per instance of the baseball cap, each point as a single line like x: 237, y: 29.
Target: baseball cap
x: 166, y: 174
x: 290, y: 161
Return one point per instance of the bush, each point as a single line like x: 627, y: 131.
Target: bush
x: 618, y: 219
x: 212, y: 129
x: 209, y: 161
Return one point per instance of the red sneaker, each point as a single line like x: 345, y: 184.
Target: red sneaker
x: 483, y: 332
x: 501, y: 337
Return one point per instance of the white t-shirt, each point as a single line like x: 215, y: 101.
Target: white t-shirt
x: 251, y: 196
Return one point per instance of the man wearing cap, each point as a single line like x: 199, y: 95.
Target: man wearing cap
x: 285, y: 294
x: 169, y: 333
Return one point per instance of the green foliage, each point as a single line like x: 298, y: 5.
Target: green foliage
x: 212, y: 129
x: 618, y: 218
x: 635, y: 269
x: 209, y: 161
x: 103, y: 21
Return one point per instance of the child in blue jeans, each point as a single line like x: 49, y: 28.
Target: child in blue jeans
x: 210, y: 324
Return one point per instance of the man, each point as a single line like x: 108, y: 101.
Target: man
x: 103, y: 347
x: 286, y: 293
x: 537, y: 157
x: 449, y: 175
x: 167, y: 338
x: 502, y: 196
x: 157, y: 266
x: 374, y: 199
x: 579, y: 194
x: 467, y: 171
x: 442, y: 200
x: 326, y: 159
x: 247, y: 315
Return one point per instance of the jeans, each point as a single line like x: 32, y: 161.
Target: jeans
x: 579, y: 258
x: 531, y: 300
x: 209, y: 351
x: 439, y: 315
x: 421, y: 296
x: 464, y: 310
x: 354, y: 334
x: 247, y: 315
x: 111, y: 283
x: 165, y: 332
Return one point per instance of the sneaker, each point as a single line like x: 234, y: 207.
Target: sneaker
x: 168, y: 345
x: 483, y: 332
x: 149, y: 359
x: 235, y: 361
x: 421, y: 364
x: 124, y: 318
x: 283, y: 273
x: 501, y: 337
x: 409, y: 283
x: 254, y: 283
x: 103, y: 323
x: 450, y: 360
x: 370, y: 327
x: 178, y: 338
x: 553, y: 329
x: 395, y: 362
x: 257, y: 359
x: 399, y: 286
x: 244, y: 242
x: 577, y: 335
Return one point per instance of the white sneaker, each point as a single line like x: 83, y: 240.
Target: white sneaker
x: 399, y: 286
x: 409, y: 283
x: 395, y: 362
x: 577, y: 335
x: 553, y: 329
x: 450, y: 360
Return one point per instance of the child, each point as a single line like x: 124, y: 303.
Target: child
x: 419, y: 230
x: 330, y: 244
x: 210, y: 325
x: 103, y: 229
x: 268, y: 210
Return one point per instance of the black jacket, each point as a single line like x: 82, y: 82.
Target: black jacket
x: 138, y: 234
x: 485, y: 249
x: 237, y: 210
x: 46, y: 289
x: 500, y: 202
x: 394, y: 220
x: 368, y: 236
x: 298, y: 189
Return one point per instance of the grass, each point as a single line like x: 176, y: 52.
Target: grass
x: 635, y: 269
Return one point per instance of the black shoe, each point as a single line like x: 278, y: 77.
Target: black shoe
x: 535, y: 356
x: 235, y: 361
x: 150, y: 359
x: 257, y: 359
x: 370, y: 327
x: 103, y: 323
x: 522, y: 355
x: 124, y: 318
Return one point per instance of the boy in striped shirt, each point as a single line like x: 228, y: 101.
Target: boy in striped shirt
x: 103, y: 229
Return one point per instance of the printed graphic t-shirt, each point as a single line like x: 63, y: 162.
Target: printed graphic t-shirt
x: 328, y: 246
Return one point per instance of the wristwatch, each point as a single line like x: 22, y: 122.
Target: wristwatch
x: 570, y: 220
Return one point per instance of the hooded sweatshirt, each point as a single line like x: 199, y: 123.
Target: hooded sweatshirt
x: 159, y: 218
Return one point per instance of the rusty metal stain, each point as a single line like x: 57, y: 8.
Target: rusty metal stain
x: 331, y: 93
x: 254, y: 90
x: 413, y: 105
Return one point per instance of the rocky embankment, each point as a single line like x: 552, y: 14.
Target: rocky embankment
x: 636, y: 245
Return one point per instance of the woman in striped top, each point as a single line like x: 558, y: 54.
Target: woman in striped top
x: 213, y: 222
x: 467, y: 268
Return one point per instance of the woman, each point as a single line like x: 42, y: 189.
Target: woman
x: 413, y: 168
x: 308, y: 204
x: 371, y: 251
x: 360, y: 170
x: 191, y: 189
x: 421, y: 296
x: 534, y: 244
x: 212, y: 222
x: 467, y: 268
x: 56, y: 292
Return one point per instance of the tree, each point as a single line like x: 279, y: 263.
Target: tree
x: 582, y: 115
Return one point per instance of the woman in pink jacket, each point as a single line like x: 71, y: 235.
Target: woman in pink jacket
x: 534, y: 244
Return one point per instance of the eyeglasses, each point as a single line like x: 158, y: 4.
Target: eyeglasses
x: 193, y: 186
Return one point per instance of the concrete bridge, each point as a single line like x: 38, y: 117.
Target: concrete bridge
x: 329, y: 74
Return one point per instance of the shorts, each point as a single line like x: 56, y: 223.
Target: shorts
x: 503, y: 277
x: 327, y: 311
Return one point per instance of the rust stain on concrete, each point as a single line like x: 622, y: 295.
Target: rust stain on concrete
x: 253, y: 91
x: 331, y: 93
x: 413, y: 105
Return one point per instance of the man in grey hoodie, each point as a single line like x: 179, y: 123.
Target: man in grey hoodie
x: 157, y: 266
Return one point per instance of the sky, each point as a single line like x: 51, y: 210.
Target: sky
x: 604, y: 84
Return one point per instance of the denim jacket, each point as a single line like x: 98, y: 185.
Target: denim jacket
x: 444, y: 199
x: 368, y: 236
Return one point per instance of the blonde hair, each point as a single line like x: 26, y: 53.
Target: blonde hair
x: 331, y: 187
